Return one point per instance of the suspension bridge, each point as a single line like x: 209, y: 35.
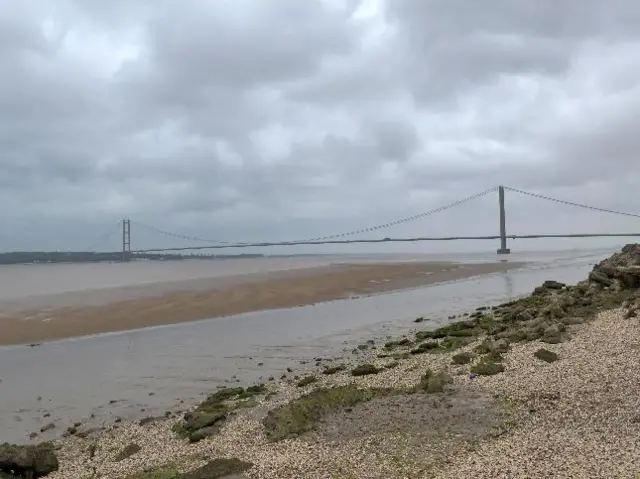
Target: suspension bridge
x: 346, y: 237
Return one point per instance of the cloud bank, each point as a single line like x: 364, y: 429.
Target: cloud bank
x: 253, y: 120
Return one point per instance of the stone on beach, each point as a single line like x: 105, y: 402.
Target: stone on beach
x: 31, y: 461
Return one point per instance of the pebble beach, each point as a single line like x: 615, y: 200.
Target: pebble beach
x: 545, y: 386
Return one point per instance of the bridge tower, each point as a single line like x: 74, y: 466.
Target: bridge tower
x: 126, y: 239
x: 503, y: 223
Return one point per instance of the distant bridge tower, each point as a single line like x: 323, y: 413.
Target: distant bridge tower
x: 503, y: 223
x: 126, y: 239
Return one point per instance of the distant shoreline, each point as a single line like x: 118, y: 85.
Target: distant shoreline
x: 79, y: 257
x: 121, y: 309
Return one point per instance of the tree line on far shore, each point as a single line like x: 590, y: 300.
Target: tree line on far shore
x: 28, y: 257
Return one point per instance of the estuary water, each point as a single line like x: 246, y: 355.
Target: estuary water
x: 146, y: 372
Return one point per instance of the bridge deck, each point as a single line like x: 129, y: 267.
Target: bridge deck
x: 389, y: 240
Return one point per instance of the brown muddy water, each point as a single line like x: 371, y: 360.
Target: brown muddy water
x: 146, y: 372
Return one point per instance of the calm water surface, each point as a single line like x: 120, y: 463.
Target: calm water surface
x: 114, y: 374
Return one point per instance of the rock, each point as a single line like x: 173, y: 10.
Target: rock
x: 487, y: 368
x: 546, y: 355
x: 552, y: 311
x: 551, y: 284
x: 629, y: 255
x: 204, y: 433
x: 600, y: 278
x: 462, y: 358
x: 565, y: 302
x: 629, y: 278
x: 365, y: 370
x: 552, y: 338
x: 434, y: 383
x: 526, y: 315
x: 501, y: 346
x: 623, y: 267
x: 199, y: 419
x: 128, y: 451
x: 47, y: 427
x: 28, y: 461
x: 149, y: 419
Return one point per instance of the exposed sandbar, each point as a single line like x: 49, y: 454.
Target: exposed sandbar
x: 94, y: 312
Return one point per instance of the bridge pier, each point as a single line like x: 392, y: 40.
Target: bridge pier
x: 503, y: 224
x: 126, y: 240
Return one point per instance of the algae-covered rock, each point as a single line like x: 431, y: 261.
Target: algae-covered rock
x: 211, y: 414
x: 600, y: 278
x: 400, y: 342
x: 198, y: 419
x: 431, y: 382
x: 128, y: 451
x: 551, y: 284
x: 306, y: 381
x: 334, y: 369
x: 302, y: 414
x: 497, y: 347
x: 364, y: 370
x: 487, y: 368
x: 425, y: 347
x: 546, y: 355
x: 462, y: 358
x: 28, y: 461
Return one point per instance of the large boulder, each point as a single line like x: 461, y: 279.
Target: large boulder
x: 621, y: 268
x: 28, y: 461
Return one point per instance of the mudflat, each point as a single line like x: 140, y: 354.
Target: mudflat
x: 100, y: 311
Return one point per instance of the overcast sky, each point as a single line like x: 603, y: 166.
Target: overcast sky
x: 246, y: 120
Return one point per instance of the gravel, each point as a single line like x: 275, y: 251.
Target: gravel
x: 583, y: 408
x: 577, y: 417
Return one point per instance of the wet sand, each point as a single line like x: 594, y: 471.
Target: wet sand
x: 120, y: 309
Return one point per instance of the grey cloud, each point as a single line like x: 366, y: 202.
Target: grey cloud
x: 395, y: 140
x: 290, y: 119
x: 564, y: 19
x: 208, y: 67
x: 462, y: 45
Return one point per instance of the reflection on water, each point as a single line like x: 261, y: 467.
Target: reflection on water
x: 76, y: 378
x: 508, y: 285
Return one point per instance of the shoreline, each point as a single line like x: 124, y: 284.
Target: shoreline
x: 114, y: 310
x: 542, y: 386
